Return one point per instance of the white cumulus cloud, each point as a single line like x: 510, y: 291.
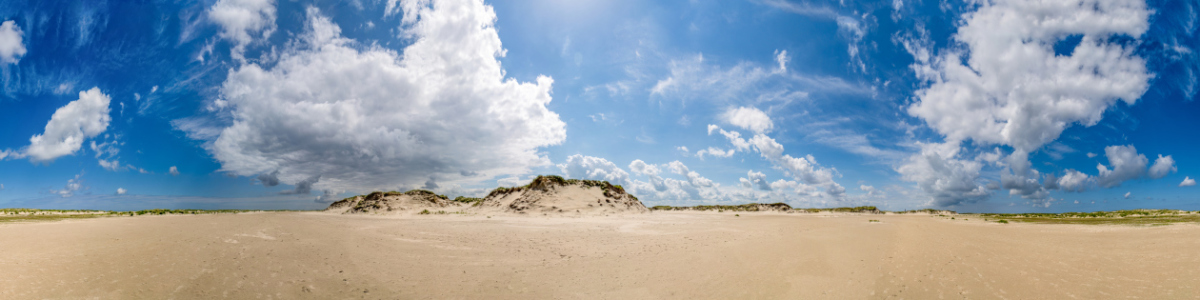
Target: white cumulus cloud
x: 749, y: 118
x: 70, y: 125
x: 595, y: 168
x: 642, y: 168
x: 243, y: 21
x: 756, y: 179
x: 73, y: 185
x: 1187, y: 181
x: 364, y: 117
x: 12, y: 44
x: 1124, y: 163
x: 1074, y: 181
x: 511, y: 181
x: 1014, y: 90
x: 111, y: 165
x: 1008, y: 87
x: 693, y: 187
x: 694, y: 178
x: 173, y: 171
x: 1162, y: 166
x: 713, y: 151
x: 871, y: 191
x: 121, y: 191
x: 944, y: 175
x: 804, y: 169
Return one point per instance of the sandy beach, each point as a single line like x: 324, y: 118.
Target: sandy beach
x: 661, y: 255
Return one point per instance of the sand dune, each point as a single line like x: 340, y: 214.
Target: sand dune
x: 544, y: 195
x: 384, y: 202
x: 658, y: 255
x: 549, y: 195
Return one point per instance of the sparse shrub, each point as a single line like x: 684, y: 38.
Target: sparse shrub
x: 420, y: 192
x: 423, y: 212
x: 470, y: 200
x: 501, y: 191
x: 722, y: 208
x: 554, y: 178
x: 618, y: 188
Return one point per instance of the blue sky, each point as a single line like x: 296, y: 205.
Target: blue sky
x: 998, y: 106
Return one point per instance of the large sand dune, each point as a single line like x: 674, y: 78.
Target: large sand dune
x: 672, y: 255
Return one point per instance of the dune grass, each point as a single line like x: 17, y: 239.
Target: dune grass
x: 469, y: 200
x: 8, y: 215
x: 1141, y: 217
x: 769, y: 207
x: 45, y: 217
x: 723, y: 208
x: 542, y: 182
x: 925, y: 211
x: 856, y: 209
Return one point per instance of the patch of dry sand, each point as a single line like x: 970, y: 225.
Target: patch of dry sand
x: 657, y: 255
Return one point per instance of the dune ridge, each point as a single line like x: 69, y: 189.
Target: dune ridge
x: 544, y: 195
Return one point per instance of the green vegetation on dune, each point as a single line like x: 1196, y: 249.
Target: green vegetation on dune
x: 543, y: 182
x: 856, y: 209
x: 416, y: 192
x: 925, y: 211
x: 13, y: 211
x: 29, y: 214
x: 768, y: 207
x: 469, y: 200
x: 1119, y: 217
x: 419, y: 192
x: 1099, y: 214
x: 722, y: 208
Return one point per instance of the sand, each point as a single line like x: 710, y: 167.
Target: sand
x: 673, y: 255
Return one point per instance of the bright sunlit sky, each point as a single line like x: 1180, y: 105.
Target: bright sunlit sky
x: 977, y: 106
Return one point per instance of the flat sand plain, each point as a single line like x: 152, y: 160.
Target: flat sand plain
x: 667, y: 255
